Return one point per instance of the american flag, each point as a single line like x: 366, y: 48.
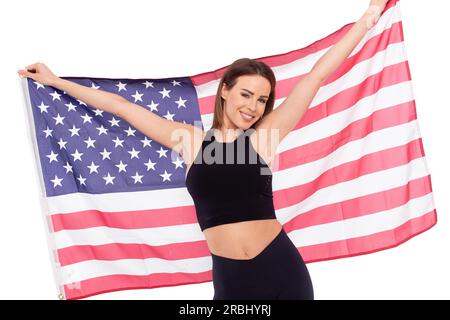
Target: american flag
x: 350, y: 179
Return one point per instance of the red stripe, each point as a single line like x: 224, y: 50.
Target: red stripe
x: 284, y: 87
x: 117, y: 251
x: 371, y: 243
x: 105, y: 284
x: 125, y: 219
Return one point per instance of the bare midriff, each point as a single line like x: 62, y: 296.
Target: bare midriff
x: 241, y: 240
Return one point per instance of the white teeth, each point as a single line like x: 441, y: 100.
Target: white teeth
x: 246, y: 116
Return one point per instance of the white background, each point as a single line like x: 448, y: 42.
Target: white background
x: 134, y: 39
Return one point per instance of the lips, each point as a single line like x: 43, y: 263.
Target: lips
x: 246, y: 116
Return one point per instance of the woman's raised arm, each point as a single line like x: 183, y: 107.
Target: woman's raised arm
x: 172, y: 134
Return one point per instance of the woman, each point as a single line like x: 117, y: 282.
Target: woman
x: 253, y: 258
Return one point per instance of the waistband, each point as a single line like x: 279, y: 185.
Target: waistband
x: 260, y: 255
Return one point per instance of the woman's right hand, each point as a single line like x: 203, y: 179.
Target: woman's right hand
x: 38, y: 72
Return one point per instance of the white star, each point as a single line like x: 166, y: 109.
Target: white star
x: 90, y: 143
x: 121, y: 86
x: 81, y: 102
x: 169, y: 116
x: 82, y: 180
x: 165, y: 93
x: 178, y: 163
x: 57, y: 181
x: 150, y: 165
x: 98, y: 112
x: 76, y: 155
x: 43, y: 107
x: 114, y: 122
x: 39, y: 85
x: 148, y: 84
x: 137, y: 178
x: 93, y: 86
x: 105, y: 154
x: 52, y: 157
x: 180, y: 102
x: 74, y: 131
x: 59, y: 119
x: 146, y: 142
x: 70, y: 106
x: 134, y: 153
x: 68, y: 167
x: 130, y: 132
x: 153, y: 106
x: 62, y: 144
x: 162, y: 152
x: 166, y: 176
x: 137, y: 96
x: 121, y: 166
x: 118, y: 142
x: 176, y: 83
x: 86, y: 118
x: 92, y: 167
x: 55, y: 95
x: 48, y: 132
x: 101, y: 130
x: 109, y: 179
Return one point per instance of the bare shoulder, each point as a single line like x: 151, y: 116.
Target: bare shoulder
x: 191, y: 140
x: 265, y: 142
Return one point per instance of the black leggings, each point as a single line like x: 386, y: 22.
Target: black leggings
x: 278, y: 272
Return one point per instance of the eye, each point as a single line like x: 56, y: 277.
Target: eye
x: 246, y: 96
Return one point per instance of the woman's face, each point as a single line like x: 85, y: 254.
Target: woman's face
x: 245, y: 102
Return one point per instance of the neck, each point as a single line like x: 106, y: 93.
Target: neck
x: 229, y: 134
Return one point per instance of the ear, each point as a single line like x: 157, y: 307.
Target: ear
x: 224, y: 91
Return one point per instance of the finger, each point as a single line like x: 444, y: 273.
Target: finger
x: 32, y: 67
x: 27, y: 74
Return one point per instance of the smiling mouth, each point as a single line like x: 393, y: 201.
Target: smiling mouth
x: 246, y: 116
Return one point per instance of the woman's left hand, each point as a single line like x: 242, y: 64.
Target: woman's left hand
x: 374, y: 12
x: 380, y: 3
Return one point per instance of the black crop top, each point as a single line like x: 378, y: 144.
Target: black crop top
x: 230, y: 187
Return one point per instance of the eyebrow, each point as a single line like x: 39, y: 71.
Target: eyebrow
x: 253, y: 93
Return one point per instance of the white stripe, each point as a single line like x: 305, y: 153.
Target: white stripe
x: 304, y: 65
x: 151, y: 236
x: 137, y: 267
x: 120, y: 201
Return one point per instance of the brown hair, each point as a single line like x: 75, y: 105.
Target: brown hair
x: 241, y: 67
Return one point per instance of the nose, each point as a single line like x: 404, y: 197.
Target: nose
x: 253, y: 105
